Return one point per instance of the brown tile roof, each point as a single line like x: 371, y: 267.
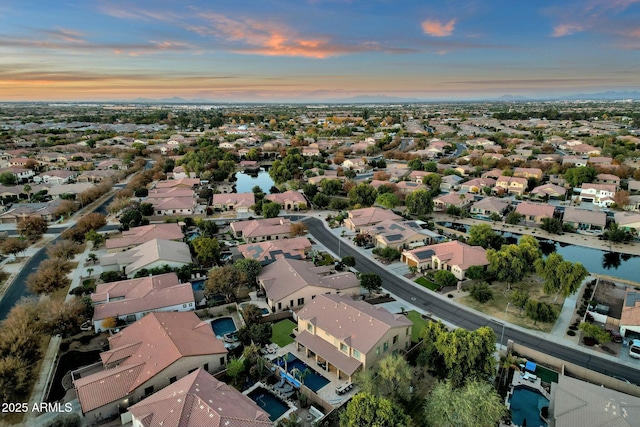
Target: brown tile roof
x: 454, y: 253
x: 585, y: 216
x: 631, y: 308
x: 535, y: 209
x: 370, y: 216
x: 199, y: 400
x: 269, y: 251
x: 492, y: 204
x: 286, y: 197
x: 161, y: 340
x: 163, y: 193
x: 262, y: 227
x: 234, y: 199
x: 140, y: 295
x: 145, y: 233
x: 357, y: 323
x: 286, y: 276
x: 170, y: 203
x: 184, y: 182
x: 149, y: 252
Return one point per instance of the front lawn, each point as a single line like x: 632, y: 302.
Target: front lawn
x: 423, y: 281
x: 281, y: 332
x: 418, y: 324
x: 326, y: 260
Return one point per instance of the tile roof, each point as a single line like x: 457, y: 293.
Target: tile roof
x: 286, y: 276
x: 328, y: 352
x: 140, y: 295
x: 161, y: 339
x: 287, y: 196
x: 357, y: 323
x: 269, y: 251
x: 578, y: 403
x: 163, y: 193
x: 585, y: 216
x: 170, y: 203
x: 145, y: 233
x: 367, y: 216
x: 234, y: 199
x: 549, y: 189
x: 149, y: 252
x: 184, y: 182
x: 535, y: 209
x: 492, y: 204
x: 454, y: 253
x: 631, y: 308
x: 262, y: 227
x: 199, y: 400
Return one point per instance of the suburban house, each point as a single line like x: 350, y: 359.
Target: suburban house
x: 577, y: 161
x: 139, y: 235
x: 548, y: 190
x: 598, y: 194
x: 130, y: 300
x: 152, y: 254
x: 534, y: 212
x: 239, y: 202
x: 585, y: 220
x: 145, y: 357
x: 578, y: 403
x: 260, y: 230
x: 630, y: 317
x: 290, y: 283
x: 197, y: 400
x: 629, y: 221
x: 55, y: 177
x: 366, y: 217
x: 24, y: 210
x: 450, y: 182
x: 607, y: 178
x: 458, y: 200
x: 528, y: 173
x: 269, y: 251
x: 408, y: 187
x: 511, y: 184
x: 96, y: 175
x: 21, y: 175
x: 476, y: 185
x: 345, y: 336
x: 111, y: 164
x: 400, y: 235
x: 184, y: 182
x: 491, y: 205
x: 417, y: 176
x: 75, y: 190
x: 289, y: 200
x: 453, y: 256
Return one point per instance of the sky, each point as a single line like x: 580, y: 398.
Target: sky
x: 316, y: 50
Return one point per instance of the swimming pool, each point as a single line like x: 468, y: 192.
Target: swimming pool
x: 526, y: 404
x: 223, y: 325
x: 269, y: 402
x: 197, y: 285
x: 312, y: 380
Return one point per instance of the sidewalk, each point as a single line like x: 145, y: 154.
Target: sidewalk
x: 568, y: 311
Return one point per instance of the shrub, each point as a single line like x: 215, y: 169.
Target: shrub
x: 481, y: 292
x: 571, y: 333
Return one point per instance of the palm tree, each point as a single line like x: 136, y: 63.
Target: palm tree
x: 27, y: 189
x: 92, y: 257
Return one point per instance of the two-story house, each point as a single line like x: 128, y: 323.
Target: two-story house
x: 511, y: 184
x: 346, y: 336
x: 598, y: 194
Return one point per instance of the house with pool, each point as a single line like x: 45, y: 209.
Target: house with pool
x: 343, y: 335
x: 290, y: 283
x: 145, y: 357
x: 130, y: 300
x: 197, y: 400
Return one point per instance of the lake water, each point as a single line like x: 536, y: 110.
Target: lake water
x: 595, y: 260
x: 245, y: 182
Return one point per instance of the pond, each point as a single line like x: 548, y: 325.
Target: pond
x: 596, y: 261
x: 246, y: 181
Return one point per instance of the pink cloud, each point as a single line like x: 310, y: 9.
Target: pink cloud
x: 566, y: 29
x: 435, y: 28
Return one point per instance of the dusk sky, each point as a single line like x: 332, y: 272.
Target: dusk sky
x: 302, y: 50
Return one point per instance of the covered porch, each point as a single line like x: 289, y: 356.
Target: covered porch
x: 326, y: 356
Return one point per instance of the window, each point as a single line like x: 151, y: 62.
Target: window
x: 344, y: 348
x: 192, y: 370
x: 300, y: 301
x: 279, y: 306
x: 172, y: 380
x: 377, y: 351
x: 206, y: 367
x: 222, y: 361
x: 290, y: 303
x: 309, y: 327
x: 313, y: 297
x: 407, y: 333
x: 356, y: 354
x: 184, y: 305
x: 385, y: 346
x: 395, y: 339
x: 148, y: 391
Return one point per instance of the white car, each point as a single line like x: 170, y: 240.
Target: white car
x: 634, y: 349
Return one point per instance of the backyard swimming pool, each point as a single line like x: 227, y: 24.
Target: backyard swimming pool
x: 269, y: 402
x: 526, y: 404
x: 312, y: 380
x: 223, y: 325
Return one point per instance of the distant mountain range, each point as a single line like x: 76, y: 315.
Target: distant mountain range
x: 384, y: 99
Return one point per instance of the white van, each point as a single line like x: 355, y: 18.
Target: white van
x: 634, y: 349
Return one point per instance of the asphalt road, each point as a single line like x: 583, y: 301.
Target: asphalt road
x: 18, y: 288
x: 457, y: 315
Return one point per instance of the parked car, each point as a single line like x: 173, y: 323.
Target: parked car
x: 615, y: 335
x: 634, y: 349
x: 369, y: 246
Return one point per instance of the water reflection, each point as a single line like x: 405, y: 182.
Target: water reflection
x: 611, y: 260
x: 547, y: 247
x: 246, y: 181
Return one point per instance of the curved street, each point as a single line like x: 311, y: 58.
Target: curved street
x: 464, y: 317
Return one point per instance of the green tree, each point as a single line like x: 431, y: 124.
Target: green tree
x: 552, y: 225
x: 540, y: 311
x: 270, y: 209
x: 251, y: 268
x: 394, y: 375
x: 596, y: 332
x: 507, y: 264
x: 206, y: 249
x: 560, y: 277
x: 519, y: 299
x: 331, y: 187
x: 321, y: 200
x: 430, y: 167
x: 349, y: 261
x: 235, y: 368
x: 363, y: 194
x: 483, y: 235
x: 8, y: 178
x: 224, y: 281
x: 419, y: 203
x: 388, y: 200
x: 458, y: 355
x: 368, y: 410
x: 415, y: 165
x: 476, y: 272
x: 448, y: 406
x: 481, y: 292
x: 513, y: 218
x: 445, y: 278
x: 579, y: 175
x: 27, y: 189
x: 371, y: 282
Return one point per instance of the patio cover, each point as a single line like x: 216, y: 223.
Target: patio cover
x: 530, y: 366
x: 328, y: 352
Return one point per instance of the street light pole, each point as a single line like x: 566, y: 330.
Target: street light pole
x: 504, y: 323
